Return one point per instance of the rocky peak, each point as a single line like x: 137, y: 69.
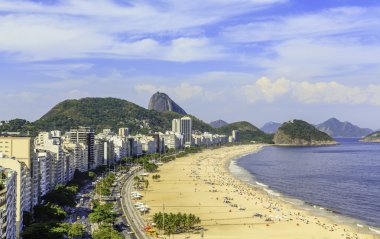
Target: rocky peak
x: 161, y: 102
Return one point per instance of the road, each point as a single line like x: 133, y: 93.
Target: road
x: 81, y: 211
x: 132, y: 215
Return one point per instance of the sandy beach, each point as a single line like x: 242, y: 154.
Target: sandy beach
x: 201, y: 184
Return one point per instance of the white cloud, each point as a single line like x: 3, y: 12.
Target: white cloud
x: 146, y: 88
x: 330, y: 22
x: 340, y: 44
x: 101, y: 28
x: 305, y: 92
x: 265, y: 89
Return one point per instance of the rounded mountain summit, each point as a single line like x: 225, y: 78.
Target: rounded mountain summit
x: 161, y: 102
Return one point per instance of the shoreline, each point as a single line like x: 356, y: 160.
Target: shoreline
x: 198, y: 183
x: 314, y: 209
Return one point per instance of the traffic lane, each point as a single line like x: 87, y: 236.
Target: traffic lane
x: 136, y: 219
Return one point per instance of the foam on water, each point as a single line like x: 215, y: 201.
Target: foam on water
x: 377, y: 231
x: 249, y: 178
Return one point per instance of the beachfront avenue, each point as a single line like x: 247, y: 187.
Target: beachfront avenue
x: 134, y: 220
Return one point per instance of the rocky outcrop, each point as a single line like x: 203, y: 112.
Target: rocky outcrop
x: 161, y: 102
x: 300, y: 133
x: 218, y: 123
x: 374, y: 137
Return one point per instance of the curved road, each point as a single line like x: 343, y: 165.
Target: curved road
x: 132, y: 215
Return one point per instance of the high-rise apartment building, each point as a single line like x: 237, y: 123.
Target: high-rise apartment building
x: 21, y: 148
x: 45, y: 170
x: 7, y: 203
x: 50, y: 142
x: 235, y: 135
x: 77, y: 154
x: 186, y: 130
x: 85, y: 136
x: 184, y: 127
x: 176, y: 125
x: 23, y: 189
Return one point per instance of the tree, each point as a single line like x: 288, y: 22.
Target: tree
x: 27, y: 218
x: 150, y: 167
x: 62, y: 196
x: 43, y: 230
x: 92, y: 175
x: 107, y: 232
x: 103, y: 214
x: 48, y: 213
x: 156, y: 177
x: 75, y: 230
x: 175, y: 223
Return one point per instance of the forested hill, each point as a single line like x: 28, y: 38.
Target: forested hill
x: 298, y: 132
x: 101, y: 113
x: 248, y: 132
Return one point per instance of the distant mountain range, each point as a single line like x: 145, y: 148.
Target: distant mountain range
x: 336, y: 128
x: 218, y: 123
x: 270, y: 127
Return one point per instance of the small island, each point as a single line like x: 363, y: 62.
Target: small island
x: 374, y: 137
x: 301, y: 133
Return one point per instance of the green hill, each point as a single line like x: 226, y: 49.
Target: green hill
x: 101, y: 113
x: 298, y: 132
x: 248, y: 132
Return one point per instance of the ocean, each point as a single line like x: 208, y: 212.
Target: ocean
x: 342, y: 180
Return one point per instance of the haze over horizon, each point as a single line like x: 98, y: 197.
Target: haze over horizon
x: 253, y: 60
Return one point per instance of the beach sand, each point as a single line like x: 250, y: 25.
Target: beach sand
x: 201, y: 184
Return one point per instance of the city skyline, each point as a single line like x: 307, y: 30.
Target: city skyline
x: 231, y: 60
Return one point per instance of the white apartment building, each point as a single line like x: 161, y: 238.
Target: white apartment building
x: 23, y: 189
x: 117, y: 143
x: 209, y: 139
x: 148, y: 145
x: 85, y: 137
x: 235, y: 136
x: 8, y: 203
x: 69, y: 165
x: 172, y: 140
x: 120, y: 147
x: 104, y: 150
x: 176, y: 125
x: 51, y: 141
x: 45, y: 173
x: 78, y: 155
x: 184, y: 127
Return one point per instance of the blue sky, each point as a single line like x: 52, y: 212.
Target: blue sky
x: 254, y: 60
